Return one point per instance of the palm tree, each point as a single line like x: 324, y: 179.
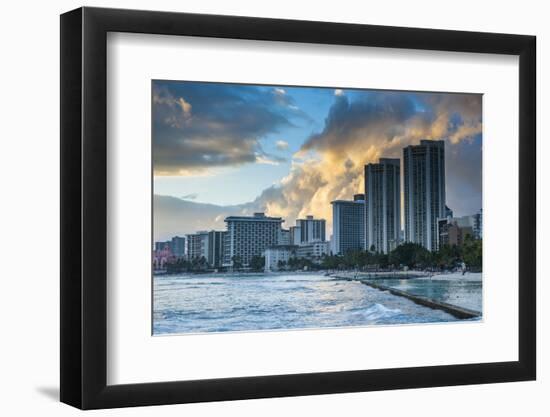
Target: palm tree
x: 237, y: 264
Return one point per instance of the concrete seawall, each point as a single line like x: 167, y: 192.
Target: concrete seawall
x: 456, y: 311
x: 382, y: 275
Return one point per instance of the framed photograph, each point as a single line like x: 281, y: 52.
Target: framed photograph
x: 257, y: 208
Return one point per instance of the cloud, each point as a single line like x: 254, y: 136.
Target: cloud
x: 185, y: 107
x: 358, y: 129
x: 281, y: 145
x: 330, y: 163
x: 197, y: 126
x: 263, y: 159
x: 178, y: 111
x: 177, y: 217
x: 464, y: 186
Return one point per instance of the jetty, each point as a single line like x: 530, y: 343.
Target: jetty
x: 454, y: 310
x: 359, y: 275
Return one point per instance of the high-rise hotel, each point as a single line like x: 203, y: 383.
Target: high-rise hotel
x: 208, y: 245
x: 348, y: 225
x: 249, y: 236
x: 308, y: 230
x: 424, y: 183
x: 383, y: 205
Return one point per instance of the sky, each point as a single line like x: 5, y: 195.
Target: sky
x: 289, y: 151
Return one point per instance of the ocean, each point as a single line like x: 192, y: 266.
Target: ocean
x: 253, y: 302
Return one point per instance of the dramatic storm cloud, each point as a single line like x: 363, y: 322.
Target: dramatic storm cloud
x: 320, y: 140
x: 200, y: 125
x: 330, y: 164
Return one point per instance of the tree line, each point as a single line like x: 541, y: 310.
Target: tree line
x: 410, y: 255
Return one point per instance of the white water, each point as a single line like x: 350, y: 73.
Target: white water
x: 215, y: 303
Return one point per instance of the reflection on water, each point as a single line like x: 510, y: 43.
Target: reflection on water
x: 216, y: 303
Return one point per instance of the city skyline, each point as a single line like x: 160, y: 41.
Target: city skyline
x: 369, y: 222
x: 226, y: 149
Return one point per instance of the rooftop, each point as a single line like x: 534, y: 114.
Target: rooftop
x: 310, y: 217
x: 347, y: 202
x: 427, y: 142
x: 255, y: 218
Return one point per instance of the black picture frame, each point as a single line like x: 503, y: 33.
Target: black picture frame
x: 84, y: 207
